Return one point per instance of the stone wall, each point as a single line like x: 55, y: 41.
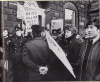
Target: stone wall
x: 9, y: 15
x: 94, y: 10
x: 56, y: 11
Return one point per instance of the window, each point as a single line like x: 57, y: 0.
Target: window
x: 69, y: 17
x: 40, y: 19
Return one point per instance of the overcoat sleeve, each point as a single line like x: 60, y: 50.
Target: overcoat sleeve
x: 15, y: 54
x: 27, y: 60
x: 97, y: 76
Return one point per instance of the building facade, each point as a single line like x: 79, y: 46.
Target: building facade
x: 84, y: 11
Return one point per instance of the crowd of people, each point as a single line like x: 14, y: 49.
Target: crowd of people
x: 29, y: 58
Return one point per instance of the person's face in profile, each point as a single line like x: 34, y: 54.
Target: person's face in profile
x: 18, y: 33
x: 86, y: 33
x: 92, y: 31
x: 5, y: 33
x: 68, y: 34
x: 43, y: 34
x: 48, y: 26
x: 54, y: 32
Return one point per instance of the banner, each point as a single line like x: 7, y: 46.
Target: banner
x: 29, y: 15
x: 59, y: 53
x: 31, y: 18
x: 20, y: 11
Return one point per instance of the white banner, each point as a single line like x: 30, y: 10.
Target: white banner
x: 29, y: 15
x: 59, y: 53
x: 20, y: 11
x: 31, y: 18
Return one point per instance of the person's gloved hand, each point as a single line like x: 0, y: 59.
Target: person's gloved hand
x: 43, y: 70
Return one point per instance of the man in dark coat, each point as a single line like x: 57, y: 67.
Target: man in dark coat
x: 90, y: 53
x: 6, y: 52
x: 37, y: 55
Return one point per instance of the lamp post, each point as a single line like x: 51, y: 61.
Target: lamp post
x: 88, y: 10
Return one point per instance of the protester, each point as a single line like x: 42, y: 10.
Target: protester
x: 90, y: 53
x: 48, y: 27
x: 72, y: 47
x: 60, y: 36
x: 6, y: 52
x: 16, y: 55
x: 28, y: 37
x: 62, y: 41
x: 1, y: 59
x: 37, y: 55
x: 54, y: 34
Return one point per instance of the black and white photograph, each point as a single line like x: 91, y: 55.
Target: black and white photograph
x: 49, y: 40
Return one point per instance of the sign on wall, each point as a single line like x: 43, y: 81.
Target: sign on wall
x: 57, y: 24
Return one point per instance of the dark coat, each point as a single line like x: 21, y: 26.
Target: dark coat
x: 7, y: 47
x: 16, y: 56
x: 8, y: 73
x: 36, y: 53
x: 93, y: 62
x: 71, y: 46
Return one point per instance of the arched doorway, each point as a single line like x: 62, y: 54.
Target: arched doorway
x: 71, y: 14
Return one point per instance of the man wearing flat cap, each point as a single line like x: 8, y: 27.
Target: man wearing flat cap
x: 37, y: 55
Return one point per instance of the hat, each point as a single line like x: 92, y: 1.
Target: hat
x: 37, y: 28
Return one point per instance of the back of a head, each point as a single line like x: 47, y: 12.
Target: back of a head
x: 36, y: 30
